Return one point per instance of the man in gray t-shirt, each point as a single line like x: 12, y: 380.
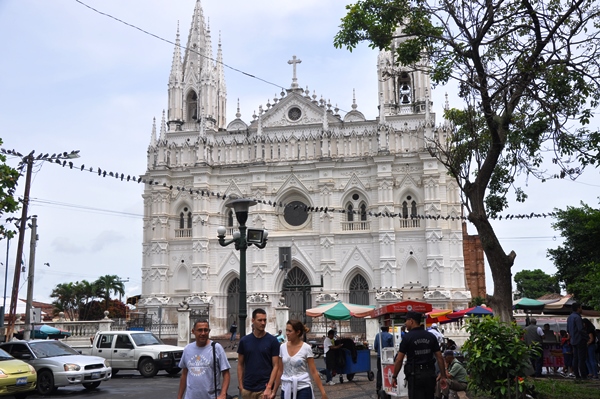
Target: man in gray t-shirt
x: 197, y: 376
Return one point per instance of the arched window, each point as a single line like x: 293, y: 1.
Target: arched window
x: 404, y: 209
x: 404, y: 88
x: 185, y: 217
x: 192, y: 106
x: 363, y: 212
x: 230, y: 218
x: 413, y: 208
x: 349, y: 213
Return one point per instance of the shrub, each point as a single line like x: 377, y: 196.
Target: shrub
x: 497, y: 357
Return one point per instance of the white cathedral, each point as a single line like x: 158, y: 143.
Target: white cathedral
x: 394, y: 233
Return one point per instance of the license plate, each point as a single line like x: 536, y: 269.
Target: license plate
x: 22, y: 381
x: 95, y: 376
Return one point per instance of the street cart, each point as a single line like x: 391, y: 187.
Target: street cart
x: 391, y: 315
x: 351, y: 367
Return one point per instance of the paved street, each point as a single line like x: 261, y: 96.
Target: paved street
x: 129, y: 384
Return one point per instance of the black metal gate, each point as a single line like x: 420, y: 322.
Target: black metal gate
x: 359, y: 295
x: 293, y: 296
x: 233, y: 302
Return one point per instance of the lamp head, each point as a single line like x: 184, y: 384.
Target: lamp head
x: 236, y: 235
x: 221, y: 230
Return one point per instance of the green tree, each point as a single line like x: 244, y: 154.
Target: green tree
x: 497, y: 358
x: 8, y: 184
x: 107, y: 284
x: 528, y: 73
x: 535, y: 283
x: 66, y: 300
x: 94, y: 310
x: 578, y: 260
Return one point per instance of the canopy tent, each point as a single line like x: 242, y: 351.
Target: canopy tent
x: 438, y: 316
x: 528, y: 304
x: 43, y: 331
x: 339, y: 310
x: 564, y: 306
x: 474, y: 311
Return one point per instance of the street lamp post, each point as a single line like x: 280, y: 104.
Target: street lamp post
x: 242, y: 242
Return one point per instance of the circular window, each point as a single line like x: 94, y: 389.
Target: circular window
x: 294, y: 113
x: 294, y: 213
x: 409, y: 198
x: 355, y: 197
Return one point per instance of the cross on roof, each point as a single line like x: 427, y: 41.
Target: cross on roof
x: 293, y: 62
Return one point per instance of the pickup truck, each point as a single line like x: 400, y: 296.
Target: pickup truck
x: 135, y: 350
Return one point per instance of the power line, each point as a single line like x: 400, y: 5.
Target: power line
x: 86, y: 208
x: 183, y: 47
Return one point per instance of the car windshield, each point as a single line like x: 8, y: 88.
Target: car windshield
x: 4, y: 355
x: 146, y: 339
x: 43, y: 349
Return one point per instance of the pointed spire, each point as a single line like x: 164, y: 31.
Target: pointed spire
x: 220, y: 69
x: 446, y: 103
x: 163, y: 127
x: 153, y: 135
x: 354, y: 106
x: 237, y: 114
x: 196, y: 43
x: 208, y: 54
x: 176, y: 66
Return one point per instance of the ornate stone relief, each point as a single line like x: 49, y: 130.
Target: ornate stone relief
x: 258, y: 298
x: 327, y: 298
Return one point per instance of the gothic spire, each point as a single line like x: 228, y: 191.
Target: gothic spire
x: 196, y: 43
x: 220, y: 69
x: 153, y: 135
x: 176, y: 66
x: 163, y: 127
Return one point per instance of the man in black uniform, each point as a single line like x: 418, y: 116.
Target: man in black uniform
x: 421, y: 349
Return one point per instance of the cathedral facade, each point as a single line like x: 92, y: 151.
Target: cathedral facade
x: 361, y: 204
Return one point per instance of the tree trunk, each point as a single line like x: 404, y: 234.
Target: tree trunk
x: 500, y: 265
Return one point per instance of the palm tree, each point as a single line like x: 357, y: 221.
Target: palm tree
x: 107, y: 284
x: 66, y: 300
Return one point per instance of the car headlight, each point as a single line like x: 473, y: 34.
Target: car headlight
x: 71, y: 367
x: 2, y: 374
x: 164, y: 355
x: 31, y: 369
x: 106, y: 363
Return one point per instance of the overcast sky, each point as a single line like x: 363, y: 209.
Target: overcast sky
x: 72, y: 79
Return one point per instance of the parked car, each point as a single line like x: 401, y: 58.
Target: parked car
x: 135, y: 350
x: 58, y: 365
x: 17, y: 378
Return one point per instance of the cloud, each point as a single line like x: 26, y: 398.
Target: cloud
x: 105, y: 239
x: 65, y: 245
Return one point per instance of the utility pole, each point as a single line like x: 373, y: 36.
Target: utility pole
x: 28, y: 160
x: 30, y: 279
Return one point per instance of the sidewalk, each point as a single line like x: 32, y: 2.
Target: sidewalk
x: 359, y: 387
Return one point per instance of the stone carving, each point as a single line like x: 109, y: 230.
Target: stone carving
x: 327, y: 298
x: 258, y: 298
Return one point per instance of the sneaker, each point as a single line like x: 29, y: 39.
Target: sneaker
x: 330, y: 383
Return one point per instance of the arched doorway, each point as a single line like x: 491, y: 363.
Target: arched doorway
x: 359, y: 295
x: 233, y: 301
x: 293, y: 296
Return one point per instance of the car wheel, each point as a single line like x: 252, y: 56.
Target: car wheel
x: 91, y: 385
x: 173, y: 370
x: 147, y: 368
x: 350, y: 377
x: 371, y: 376
x: 45, y: 382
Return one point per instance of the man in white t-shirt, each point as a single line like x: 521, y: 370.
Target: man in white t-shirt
x: 197, y: 379
x: 329, y: 343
